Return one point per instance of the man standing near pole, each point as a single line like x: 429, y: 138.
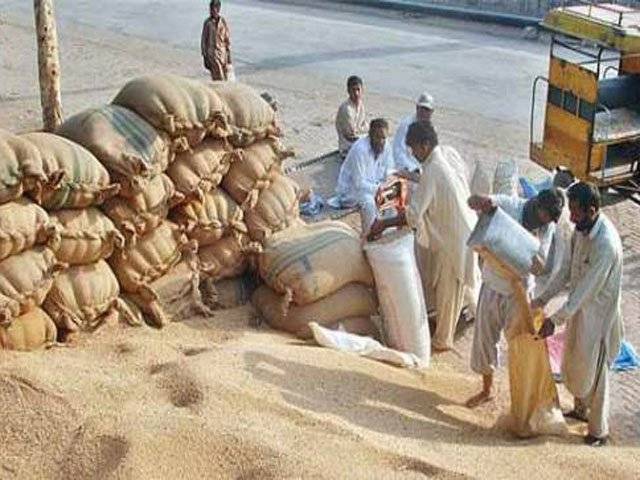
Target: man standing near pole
x: 592, y: 311
x: 216, y: 44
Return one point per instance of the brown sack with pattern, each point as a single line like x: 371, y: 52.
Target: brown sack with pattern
x: 199, y: 171
x: 211, y: 218
x: 87, y: 235
x: 24, y: 224
x: 188, y: 110
x: 76, y: 179
x: 32, y: 331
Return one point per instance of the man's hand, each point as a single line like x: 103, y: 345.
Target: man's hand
x: 537, y: 265
x: 409, y: 176
x: 547, y: 328
x: 481, y: 203
x: 376, y: 229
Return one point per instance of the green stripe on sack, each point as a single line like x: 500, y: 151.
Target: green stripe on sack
x: 128, y: 128
x: 144, y: 134
x: 304, y: 248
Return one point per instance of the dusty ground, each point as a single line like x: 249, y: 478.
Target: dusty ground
x: 217, y: 398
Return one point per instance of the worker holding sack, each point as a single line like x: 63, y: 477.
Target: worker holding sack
x: 438, y: 213
x: 498, y: 303
x: 592, y: 312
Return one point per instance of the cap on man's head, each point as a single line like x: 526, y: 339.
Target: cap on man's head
x: 425, y: 100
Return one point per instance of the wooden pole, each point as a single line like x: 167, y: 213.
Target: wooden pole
x: 48, y: 64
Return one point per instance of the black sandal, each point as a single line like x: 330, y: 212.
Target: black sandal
x: 596, y: 441
x: 575, y: 415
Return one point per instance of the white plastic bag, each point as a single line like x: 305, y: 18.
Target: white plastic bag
x: 363, y: 346
x: 399, y: 288
x: 231, y: 73
x: 480, y: 182
x: 505, y: 178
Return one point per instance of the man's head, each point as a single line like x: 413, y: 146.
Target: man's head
x: 549, y: 204
x: 421, y: 139
x: 355, y: 89
x: 584, y: 205
x: 424, y: 107
x: 378, y: 133
x: 214, y: 8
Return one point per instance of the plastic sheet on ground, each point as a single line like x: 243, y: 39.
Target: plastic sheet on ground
x: 363, y: 346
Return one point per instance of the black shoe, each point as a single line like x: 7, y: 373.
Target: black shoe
x: 575, y: 415
x: 595, y: 441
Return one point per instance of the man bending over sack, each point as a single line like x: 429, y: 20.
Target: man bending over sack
x: 443, y: 223
x: 366, y: 167
x: 592, y: 310
x: 498, y: 303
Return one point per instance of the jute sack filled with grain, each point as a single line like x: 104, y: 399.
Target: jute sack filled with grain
x: 27, y: 277
x: 82, y: 180
x: 32, y: 331
x: 9, y: 310
x: 188, y: 110
x: 87, y: 235
x: 277, y: 208
x: 174, y: 295
x: 20, y: 166
x: 142, y: 212
x: 24, y: 224
x: 209, y: 219
x: 354, y: 301
x: 126, y: 144
x: 201, y: 170
x: 151, y: 257
x: 309, y: 262
x: 251, y: 118
x: 228, y: 257
x: 254, y: 172
x: 83, y: 296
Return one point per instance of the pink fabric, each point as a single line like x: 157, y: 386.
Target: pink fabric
x: 555, y: 345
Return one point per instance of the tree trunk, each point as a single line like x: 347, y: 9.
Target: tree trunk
x: 48, y: 64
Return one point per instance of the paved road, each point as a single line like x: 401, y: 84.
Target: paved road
x: 466, y: 70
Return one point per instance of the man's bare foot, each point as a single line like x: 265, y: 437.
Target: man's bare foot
x: 479, y: 399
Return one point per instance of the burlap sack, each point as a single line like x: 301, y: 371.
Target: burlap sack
x: 250, y: 116
x: 254, y: 172
x: 84, y: 181
x: 24, y: 224
x: 121, y: 140
x: 199, y: 171
x: 210, y: 219
x: 186, y: 109
x: 9, y: 310
x: 228, y: 293
x: 309, y: 262
x: 151, y: 257
x: 173, y: 296
x: 137, y: 215
x: 82, y: 296
x: 351, y: 301
x: 28, y: 276
x: 87, y: 235
x: 31, y: 331
x: 20, y: 166
x: 227, y: 257
x: 277, y: 208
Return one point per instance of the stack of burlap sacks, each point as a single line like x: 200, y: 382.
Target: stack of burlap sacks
x: 174, y: 185
x: 55, y: 243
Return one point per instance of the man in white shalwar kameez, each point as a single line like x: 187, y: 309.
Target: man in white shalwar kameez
x: 592, y: 312
x: 443, y: 222
x: 402, y: 157
x: 368, y: 164
x: 498, y: 303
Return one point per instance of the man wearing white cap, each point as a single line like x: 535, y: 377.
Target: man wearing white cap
x: 402, y: 157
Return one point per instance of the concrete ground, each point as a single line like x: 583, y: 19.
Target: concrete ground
x: 303, y: 51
